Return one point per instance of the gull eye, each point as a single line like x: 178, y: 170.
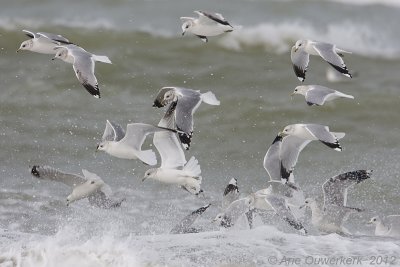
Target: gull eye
x: 92, y: 182
x: 374, y: 220
x: 23, y: 45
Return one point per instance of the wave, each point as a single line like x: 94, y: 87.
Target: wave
x: 390, y: 3
x: 366, y: 40
x: 278, y: 38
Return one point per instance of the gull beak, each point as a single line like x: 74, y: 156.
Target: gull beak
x: 213, y: 220
x: 17, y: 50
x: 183, y: 33
x: 369, y: 223
x: 295, y: 50
x: 144, y: 178
x: 292, y: 94
x: 53, y: 58
x: 302, y: 206
x: 280, y: 134
x: 67, y: 203
x: 97, y: 148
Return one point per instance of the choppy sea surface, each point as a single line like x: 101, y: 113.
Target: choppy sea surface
x: 47, y: 117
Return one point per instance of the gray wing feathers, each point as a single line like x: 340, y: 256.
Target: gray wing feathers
x: 290, y: 150
x: 321, y: 132
x: 300, y: 60
x: 113, y: 132
x: 272, y: 159
x: 52, y: 174
x: 318, y: 95
x: 328, y: 53
x: 136, y: 134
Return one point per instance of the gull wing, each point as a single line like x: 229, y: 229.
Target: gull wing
x: 113, y: 132
x: 184, y: 226
x: 52, y: 174
x: 329, y: 54
x: 300, y: 60
x: 335, y: 188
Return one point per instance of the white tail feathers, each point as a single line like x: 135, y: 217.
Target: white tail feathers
x: 103, y: 59
x: 148, y: 157
x: 346, y: 96
x: 339, y: 135
x: 192, y: 167
x: 210, y: 98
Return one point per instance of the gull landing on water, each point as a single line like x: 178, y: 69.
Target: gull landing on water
x: 206, y: 25
x: 302, y: 50
x: 318, y: 95
x: 43, y: 42
x: 83, y: 64
x: 183, y: 103
x: 128, y: 145
x: 88, y: 186
x: 330, y: 217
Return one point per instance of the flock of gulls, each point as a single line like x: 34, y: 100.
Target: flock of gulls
x: 172, y: 136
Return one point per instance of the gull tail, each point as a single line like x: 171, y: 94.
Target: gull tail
x: 344, y: 95
x: 210, y: 98
x: 338, y: 135
x: 103, y: 59
x: 147, y: 157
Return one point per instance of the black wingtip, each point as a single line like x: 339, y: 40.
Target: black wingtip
x: 342, y: 70
x: 231, y: 188
x: 278, y: 138
x: 157, y: 104
x: 34, y: 171
x: 285, y: 174
x: 201, y: 210
x: 336, y: 146
x: 93, y: 90
x: 185, y: 138
x: 300, y: 73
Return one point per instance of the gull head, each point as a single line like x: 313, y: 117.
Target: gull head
x: 374, y: 220
x: 26, y: 45
x: 300, y: 44
x: 84, y: 190
x: 62, y: 53
x: 187, y: 24
x: 151, y: 173
x: 169, y: 97
x: 288, y: 130
x: 103, y: 146
x: 300, y: 90
x: 218, y: 218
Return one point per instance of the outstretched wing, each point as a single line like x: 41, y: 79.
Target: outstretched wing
x: 184, y: 226
x: 272, y: 159
x: 328, y: 53
x: 113, y: 132
x: 207, y: 18
x: 300, y: 60
x: 52, y: 174
x: 335, y: 188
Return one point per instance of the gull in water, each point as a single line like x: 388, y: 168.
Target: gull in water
x: 388, y: 226
x: 185, y: 226
x: 83, y: 64
x: 128, y: 145
x: 330, y: 216
x: 317, y: 95
x: 269, y: 199
x: 174, y: 169
x: 43, y: 42
x: 88, y: 186
x: 315, y: 132
x: 206, y: 25
x: 183, y: 103
x: 301, y: 51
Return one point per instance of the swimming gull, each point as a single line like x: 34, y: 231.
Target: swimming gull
x: 174, y: 169
x: 183, y: 103
x: 301, y: 51
x: 88, y: 186
x: 318, y: 95
x: 206, y: 25
x: 330, y: 216
x: 185, y: 226
x: 42, y: 42
x: 388, y: 226
x: 315, y: 132
x: 128, y: 145
x: 83, y: 64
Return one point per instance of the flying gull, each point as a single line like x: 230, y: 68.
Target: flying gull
x: 83, y: 64
x: 317, y: 95
x: 128, y: 145
x: 174, y: 169
x: 330, y: 216
x: 302, y: 50
x: 206, y: 25
x: 183, y: 103
x: 315, y: 132
x: 43, y: 42
x: 88, y: 186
